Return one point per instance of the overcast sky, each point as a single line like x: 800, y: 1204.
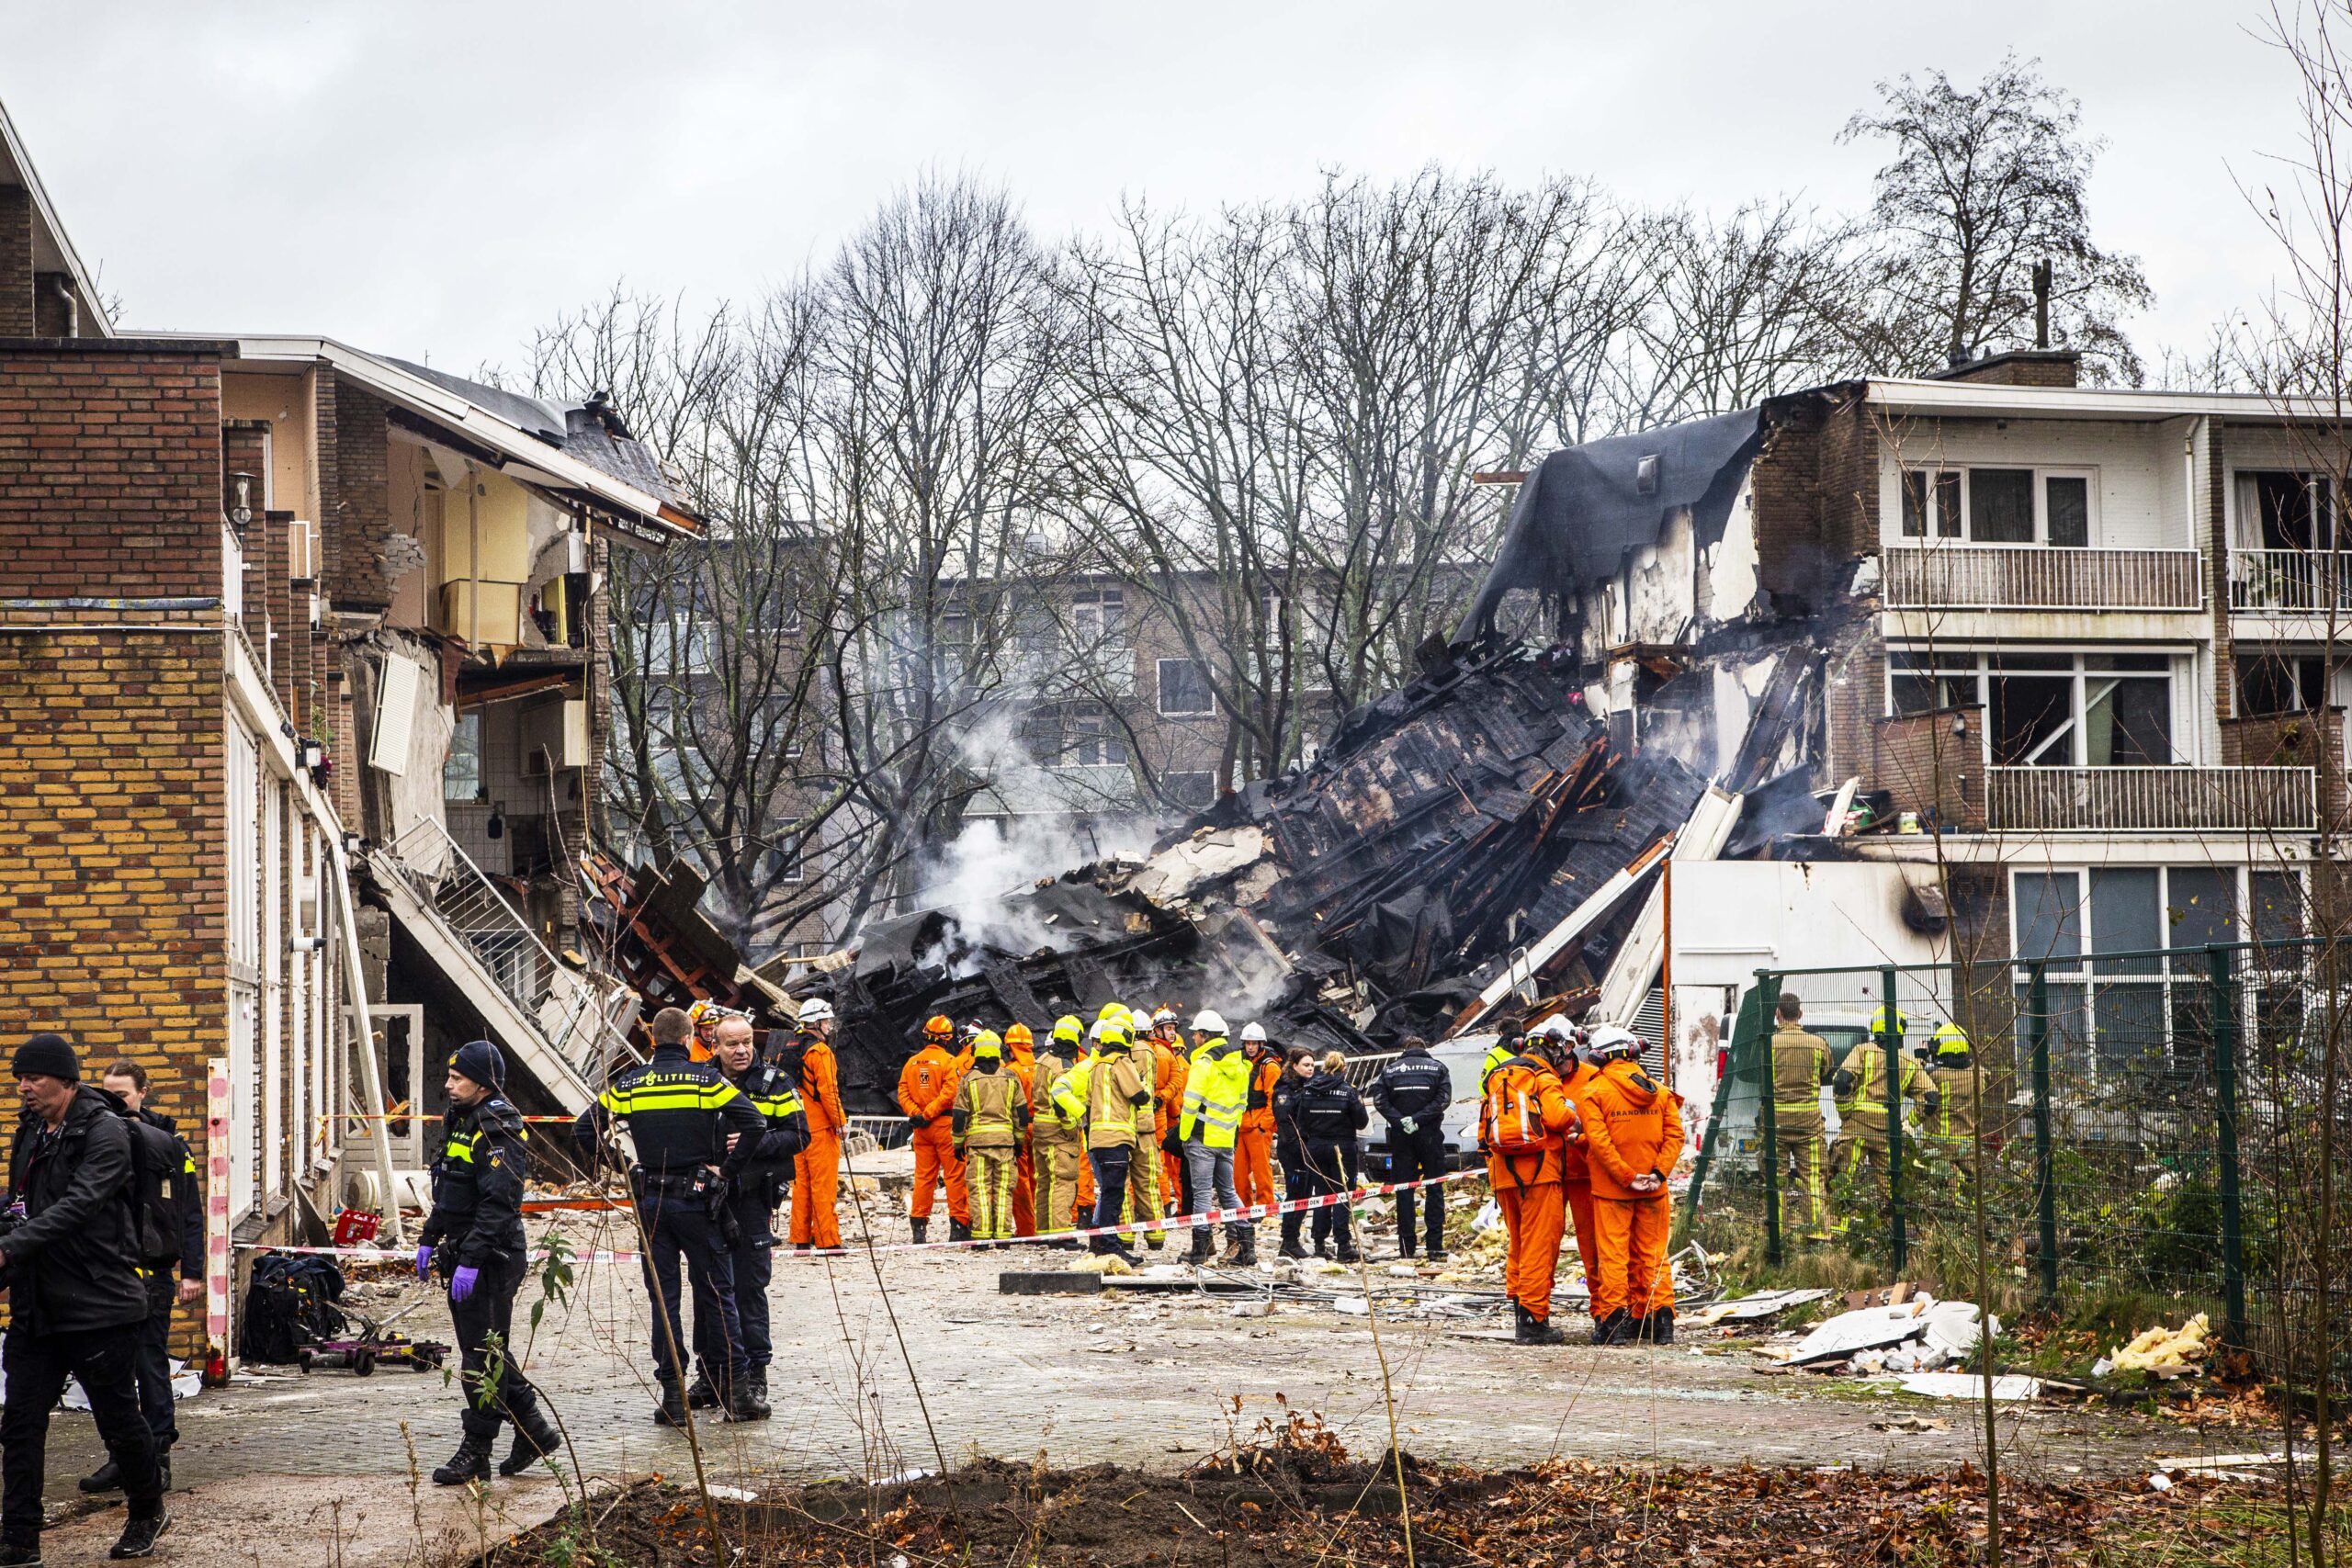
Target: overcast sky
x: 434, y: 180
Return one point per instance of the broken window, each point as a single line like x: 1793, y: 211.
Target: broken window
x: 1184, y: 690
x: 2285, y: 511
x: 461, y: 769
x: 1094, y: 740
x: 2050, y: 710
x: 2279, y: 682
x: 1197, y: 790
x: 1998, y: 507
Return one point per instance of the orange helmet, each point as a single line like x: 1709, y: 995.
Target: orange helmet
x: 1018, y: 1035
x: 939, y: 1027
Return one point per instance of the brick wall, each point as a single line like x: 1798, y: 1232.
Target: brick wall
x: 1784, y: 480
x: 1853, y: 700
x: 2312, y: 740
x: 16, y: 262
x: 109, y: 472
x: 54, y: 313
x: 2021, y: 368
x: 356, y: 488
x: 112, y: 893
x: 1929, y: 768
x: 1849, y: 486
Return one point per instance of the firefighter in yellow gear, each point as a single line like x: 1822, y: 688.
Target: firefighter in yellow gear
x: 1801, y: 1062
x: 1866, y: 1100
x: 1057, y: 1146
x: 1962, y: 1091
x: 1156, y: 1063
x: 992, y: 1112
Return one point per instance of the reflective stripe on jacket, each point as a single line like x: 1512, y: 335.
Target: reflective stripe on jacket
x: 1216, y: 1093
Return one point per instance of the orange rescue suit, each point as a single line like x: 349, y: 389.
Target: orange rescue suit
x: 1168, y: 1098
x: 816, y: 1170
x: 927, y: 1088
x: 1632, y: 1127
x: 1023, y: 1060
x: 1576, y: 1175
x: 1527, y: 1181
x: 1253, y: 1151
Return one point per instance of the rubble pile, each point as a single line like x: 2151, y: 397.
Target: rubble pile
x: 1444, y: 827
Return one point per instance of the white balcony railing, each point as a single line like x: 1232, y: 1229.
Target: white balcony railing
x: 2291, y: 582
x: 1992, y: 577
x: 2151, y: 800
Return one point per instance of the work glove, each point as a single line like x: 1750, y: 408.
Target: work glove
x: 461, y: 1283
x: 959, y: 1150
x: 424, y: 1262
x: 918, y: 1122
x: 1408, y: 1123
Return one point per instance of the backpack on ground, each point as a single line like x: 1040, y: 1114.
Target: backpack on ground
x: 289, y: 1302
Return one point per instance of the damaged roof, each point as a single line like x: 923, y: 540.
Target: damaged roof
x: 1587, y: 508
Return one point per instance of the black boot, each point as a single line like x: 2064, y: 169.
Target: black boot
x: 672, y: 1410
x: 108, y: 1477
x: 1535, y: 1330
x: 535, y: 1438
x: 958, y: 1231
x: 747, y: 1401
x: 19, y: 1554
x: 1348, y: 1253
x: 163, y: 1473
x: 1204, y: 1251
x: 470, y: 1462
x: 1657, y: 1328
x: 702, y: 1395
x: 1292, y: 1246
x: 139, y: 1532
x: 1610, y: 1330
x: 1248, y: 1256
x: 921, y: 1226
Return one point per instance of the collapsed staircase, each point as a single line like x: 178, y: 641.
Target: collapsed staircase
x: 550, y: 1018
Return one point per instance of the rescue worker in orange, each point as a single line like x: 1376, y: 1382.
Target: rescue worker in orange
x: 927, y: 1097
x: 704, y: 1016
x: 1021, y: 1061
x: 807, y: 1056
x: 1253, y: 1156
x: 1575, y: 1175
x: 1167, y: 1093
x: 1633, y: 1135
x: 1524, y: 1118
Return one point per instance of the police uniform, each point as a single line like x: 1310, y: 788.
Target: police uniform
x: 751, y: 1198
x: 1416, y: 1087
x: 679, y: 1112
x: 477, y: 1222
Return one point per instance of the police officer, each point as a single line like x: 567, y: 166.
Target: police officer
x: 474, y: 1239
x: 752, y: 1199
x: 679, y: 1112
x: 1330, y: 1114
x: 1413, y: 1094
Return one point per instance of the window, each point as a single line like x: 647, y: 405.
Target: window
x: 1185, y: 691
x: 2271, y: 682
x: 2285, y: 512
x: 1998, y: 507
x: 2114, y: 1017
x: 1197, y: 790
x: 783, y: 862
x: 1098, y: 615
x: 1095, y: 740
x: 2051, y: 710
x: 461, y: 771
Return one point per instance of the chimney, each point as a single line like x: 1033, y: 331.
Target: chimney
x: 2041, y: 303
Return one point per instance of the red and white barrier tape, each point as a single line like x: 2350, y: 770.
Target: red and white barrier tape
x: 1134, y: 1227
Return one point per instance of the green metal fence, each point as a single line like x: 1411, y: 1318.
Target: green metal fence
x: 2150, y: 1124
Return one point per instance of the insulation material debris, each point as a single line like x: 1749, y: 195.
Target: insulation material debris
x: 2168, y: 1352
x: 1759, y: 1307
x: 1915, y: 1336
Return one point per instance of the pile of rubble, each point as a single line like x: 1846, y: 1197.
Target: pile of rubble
x: 1446, y: 831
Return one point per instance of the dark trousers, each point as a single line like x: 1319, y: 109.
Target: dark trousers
x: 153, y: 1366
x: 680, y: 1230
x: 1416, y: 1156
x: 1296, y: 1184
x: 35, y: 1367
x: 499, y: 1392
x: 1326, y: 1172
x: 752, y: 1260
x: 1110, y: 1193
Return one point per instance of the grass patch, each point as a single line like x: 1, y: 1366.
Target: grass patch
x: 2218, y: 1531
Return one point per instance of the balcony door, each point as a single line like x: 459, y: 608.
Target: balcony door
x: 2049, y: 710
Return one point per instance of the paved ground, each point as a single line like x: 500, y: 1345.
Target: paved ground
x: 281, y: 1462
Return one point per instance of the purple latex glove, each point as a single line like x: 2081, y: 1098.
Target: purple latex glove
x: 461, y: 1283
x: 424, y: 1262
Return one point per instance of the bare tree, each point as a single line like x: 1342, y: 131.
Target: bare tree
x: 1984, y: 184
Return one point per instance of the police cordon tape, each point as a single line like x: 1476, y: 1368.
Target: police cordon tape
x: 784, y: 1251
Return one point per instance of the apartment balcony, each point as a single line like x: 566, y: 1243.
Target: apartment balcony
x: 1949, y: 576
x: 2306, y: 584
x: 2151, y: 800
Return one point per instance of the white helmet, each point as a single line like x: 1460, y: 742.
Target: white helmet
x: 1206, y: 1021
x: 1555, y: 1027
x: 1164, y: 1015
x: 815, y: 1010
x: 1254, y: 1031
x: 1613, y: 1041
